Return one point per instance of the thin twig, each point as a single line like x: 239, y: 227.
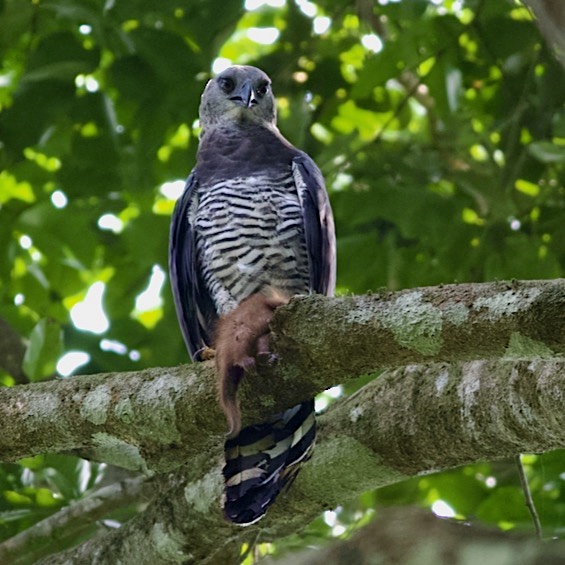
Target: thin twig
x: 528, y: 496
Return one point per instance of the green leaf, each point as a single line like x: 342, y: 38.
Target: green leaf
x: 44, y: 349
x: 526, y: 187
x: 44, y: 497
x: 11, y: 188
x: 505, y: 504
x: 33, y: 463
x: 16, y: 498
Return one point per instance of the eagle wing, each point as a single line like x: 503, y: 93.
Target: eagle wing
x: 318, y: 224
x: 195, y: 310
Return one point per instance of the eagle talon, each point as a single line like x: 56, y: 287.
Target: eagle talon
x: 207, y: 354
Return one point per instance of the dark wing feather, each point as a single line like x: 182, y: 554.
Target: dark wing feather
x: 318, y: 224
x: 195, y: 310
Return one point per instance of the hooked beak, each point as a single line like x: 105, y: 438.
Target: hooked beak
x: 244, y: 95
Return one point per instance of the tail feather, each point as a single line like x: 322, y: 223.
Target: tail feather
x: 264, y: 459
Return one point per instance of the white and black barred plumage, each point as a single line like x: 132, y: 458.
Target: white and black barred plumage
x: 254, y: 213
x: 267, y: 245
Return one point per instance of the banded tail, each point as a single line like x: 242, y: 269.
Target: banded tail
x: 264, y: 459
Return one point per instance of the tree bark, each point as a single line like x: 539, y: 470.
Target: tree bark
x: 12, y: 351
x: 319, y: 342
x: 385, y: 433
x: 439, y: 409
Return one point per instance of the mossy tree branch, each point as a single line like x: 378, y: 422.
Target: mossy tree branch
x: 387, y: 432
x: 437, y: 410
x: 154, y: 419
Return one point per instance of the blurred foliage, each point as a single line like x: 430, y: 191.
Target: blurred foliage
x: 440, y: 128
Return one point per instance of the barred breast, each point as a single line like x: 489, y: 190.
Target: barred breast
x: 249, y: 233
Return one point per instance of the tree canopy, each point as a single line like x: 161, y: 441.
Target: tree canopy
x: 439, y: 126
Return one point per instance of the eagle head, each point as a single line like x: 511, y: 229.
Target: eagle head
x: 238, y: 95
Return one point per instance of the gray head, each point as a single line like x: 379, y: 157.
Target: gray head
x: 238, y: 95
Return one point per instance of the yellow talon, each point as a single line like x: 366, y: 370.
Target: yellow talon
x: 207, y: 354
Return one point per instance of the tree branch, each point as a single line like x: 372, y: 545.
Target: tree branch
x: 154, y: 419
x: 409, y: 421
x: 147, y: 420
x: 354, y: 335
x: 416, y: 418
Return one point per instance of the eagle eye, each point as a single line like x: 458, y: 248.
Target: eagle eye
x: 262, y: 89
x: 226, y: 84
